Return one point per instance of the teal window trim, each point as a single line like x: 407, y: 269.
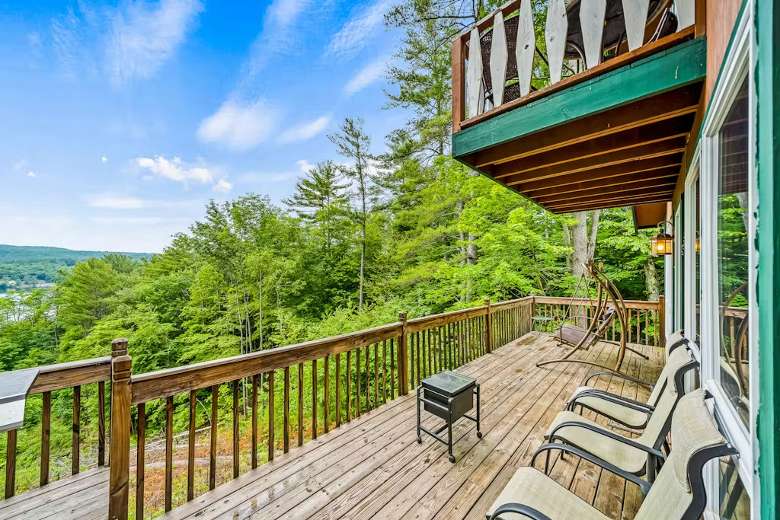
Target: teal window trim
x: 767, y: 77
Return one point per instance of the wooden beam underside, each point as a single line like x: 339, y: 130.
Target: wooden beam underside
x: 626, y: 156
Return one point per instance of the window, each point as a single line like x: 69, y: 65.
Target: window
x: 696, y: 253
x: 733, y: 254
x: 734, y: 501
x: 679, y: 265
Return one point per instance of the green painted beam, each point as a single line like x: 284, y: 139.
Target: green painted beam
x: 767, y: 84
x: 681, y: 65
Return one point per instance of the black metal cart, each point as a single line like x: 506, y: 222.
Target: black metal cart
x: 450, y: 396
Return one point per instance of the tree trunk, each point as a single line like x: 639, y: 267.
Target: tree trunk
x: 651, y: 279
x: 580, y: 243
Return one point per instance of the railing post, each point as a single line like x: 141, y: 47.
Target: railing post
x: 403, y: 373
x: 488, y: 328
x: 458, y: 97
x: 661, y: 317
x: 119, y: 447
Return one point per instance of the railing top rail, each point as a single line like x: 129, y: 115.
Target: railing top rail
x: 59, y: 376
x: 171, y: 381
x: 562, y: 300
x: 435, y: 320
x: 487, y: 20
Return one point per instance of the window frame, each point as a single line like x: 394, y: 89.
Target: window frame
x: 737, y: 66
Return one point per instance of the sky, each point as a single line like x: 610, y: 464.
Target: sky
x: 119, y: 121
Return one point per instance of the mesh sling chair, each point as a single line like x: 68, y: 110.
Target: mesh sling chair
x: 677, y: 494
x: 638, y: 456
x: 623, y: 410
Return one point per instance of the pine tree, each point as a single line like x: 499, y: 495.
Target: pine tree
x: 353, y: 143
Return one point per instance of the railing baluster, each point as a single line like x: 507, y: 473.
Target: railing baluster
x: 300, y: 404
x: 213, y: 437
x: 384, y: 371
x: 191, y: 447
x: 271, y: 426
x: 255, y: 389
x: 234, y: 388
x: 75, y: 465
x: 45, y: 438
x: 376, y: 375
x: 392, y: 368
x: 635, y: 16
x: 338, y: 390
x: 286, y: 408
x: 101, y: 423
x: 349, y: 385
x: 474, y: 92
x: 526, y: 46
x: 357, y: 382
x: 140, y: 456
x: 368, y: 375
x: 314, y: 383
x: 326, y: 395
x: 169, y: 453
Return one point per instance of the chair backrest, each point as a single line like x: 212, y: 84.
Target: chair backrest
x: 660, y: 420
x: 678, y: 492
x: 679, y: 360
x: 676, y: 339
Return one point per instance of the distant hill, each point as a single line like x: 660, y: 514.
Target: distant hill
x: 25, y: 267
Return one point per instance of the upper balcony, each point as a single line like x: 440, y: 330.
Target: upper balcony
x: 595, y: 112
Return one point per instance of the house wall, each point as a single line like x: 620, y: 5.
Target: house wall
x: 720, y: 16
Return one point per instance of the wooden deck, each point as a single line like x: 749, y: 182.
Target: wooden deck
x: 374, y: 468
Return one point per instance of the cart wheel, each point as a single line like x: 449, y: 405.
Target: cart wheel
x: 479, y: 435
x: 452, y: 459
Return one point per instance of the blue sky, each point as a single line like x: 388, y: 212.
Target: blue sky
x: 120, y: 120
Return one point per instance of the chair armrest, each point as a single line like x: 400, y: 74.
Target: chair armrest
x: 620, y: 375
x: 520, y: 509
x: 613, y: 398
x: 607, y: 433
x: 644, y: 485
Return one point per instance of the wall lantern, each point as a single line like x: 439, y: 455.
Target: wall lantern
x: 662, y: 244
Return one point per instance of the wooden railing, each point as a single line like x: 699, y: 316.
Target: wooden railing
x: 63, y: 378
x: 348, y: 375
x: 495, y: 60
x: 278, y: 398
x: 645, y: 319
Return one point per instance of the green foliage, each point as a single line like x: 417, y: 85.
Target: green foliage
x: 356, y: 244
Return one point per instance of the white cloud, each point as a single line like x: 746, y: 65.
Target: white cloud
x: 103, y: 159
x: 107, y: 201
x: 305, y: 131
x: 369, y: 74
x: 143, y: 37
x: 277, y: 35
x: 304, y: 166
x: 361, y: 27
x: 31, y: 174
x: 222, y: 186
x: 239, y: 126
x: 174, y: 169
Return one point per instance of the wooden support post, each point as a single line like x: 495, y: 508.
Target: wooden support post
x: 661, y: 325
x: 458, y: 90
x: 10, y: 463
x: 488, y: 327
x: 119, y: 448
x: 403, y: 369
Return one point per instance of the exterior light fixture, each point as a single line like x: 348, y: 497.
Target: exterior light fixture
x: 662, y: 244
